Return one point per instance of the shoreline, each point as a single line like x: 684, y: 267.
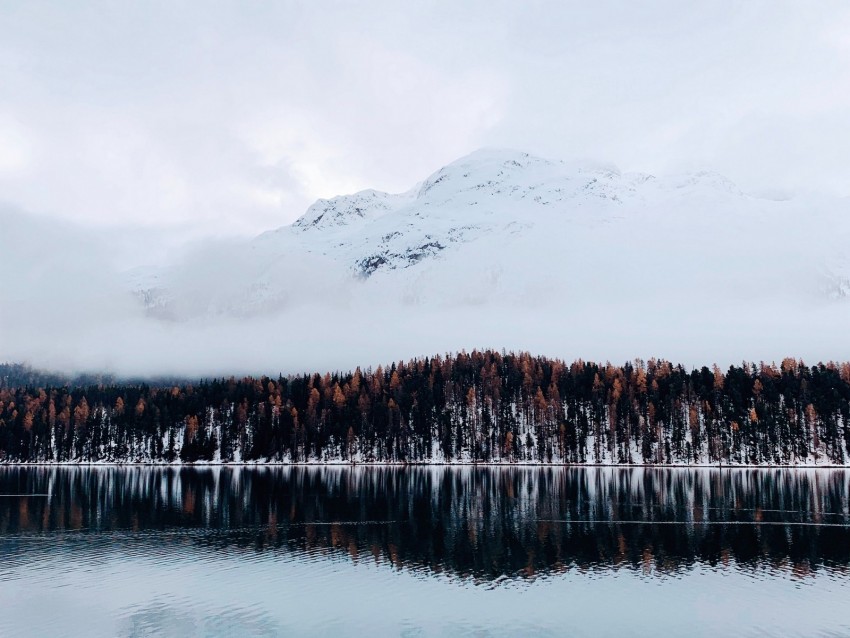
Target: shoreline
x: 343, y: 464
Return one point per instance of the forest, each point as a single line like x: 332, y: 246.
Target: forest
x: 477, y: 407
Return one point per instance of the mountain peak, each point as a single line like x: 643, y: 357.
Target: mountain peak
x: 343, y: 210
x: 504, y: 178
x: 485, y: 166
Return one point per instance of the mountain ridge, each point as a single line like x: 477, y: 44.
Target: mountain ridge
x: 494, y: 214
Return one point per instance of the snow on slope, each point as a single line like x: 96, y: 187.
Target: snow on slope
x: 499, y: 224
x: 347, y: 209
x: 500, y: 249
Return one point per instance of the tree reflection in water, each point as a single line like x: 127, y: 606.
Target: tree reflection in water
x: 484, y: 523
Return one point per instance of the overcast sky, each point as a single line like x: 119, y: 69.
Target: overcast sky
x: 214, y: 117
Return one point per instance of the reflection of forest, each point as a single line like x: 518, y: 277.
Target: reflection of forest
x: 480, y: 522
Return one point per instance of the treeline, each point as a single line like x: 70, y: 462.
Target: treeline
x: 17, y: 375
x: 470, y: 407
x: 14, y: 375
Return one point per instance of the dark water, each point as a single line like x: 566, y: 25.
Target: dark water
x: 423, y: 551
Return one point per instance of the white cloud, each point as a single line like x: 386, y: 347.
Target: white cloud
x: 15, y: 151
x: 230, y: 118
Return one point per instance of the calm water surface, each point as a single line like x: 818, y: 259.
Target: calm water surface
x: 423, y: 552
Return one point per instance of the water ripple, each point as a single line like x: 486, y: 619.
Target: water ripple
x: 407, y: 552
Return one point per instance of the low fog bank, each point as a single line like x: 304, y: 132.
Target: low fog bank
x: 694, y: 293
x: 323, y: 338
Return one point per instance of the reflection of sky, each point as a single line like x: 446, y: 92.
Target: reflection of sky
x: 143, y: 589
x: 149, y: 551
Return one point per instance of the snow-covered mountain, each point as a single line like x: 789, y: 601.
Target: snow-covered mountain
x: 504, y: 225
x: 498, y: 249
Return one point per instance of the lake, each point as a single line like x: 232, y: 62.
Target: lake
x: 423, y: 551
